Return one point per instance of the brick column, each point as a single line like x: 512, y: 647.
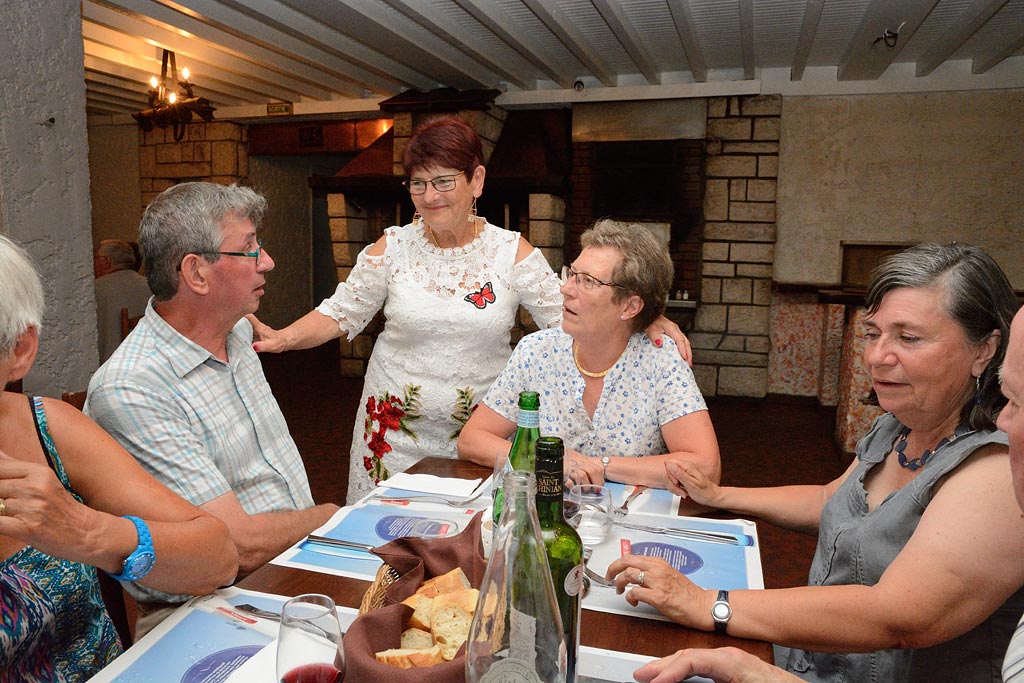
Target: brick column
x: 731, y: 334
x: 214, y: 152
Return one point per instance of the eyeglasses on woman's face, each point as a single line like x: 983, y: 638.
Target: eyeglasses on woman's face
x: 248, y: 254
x: 442, y: 183
x: 585, y: 281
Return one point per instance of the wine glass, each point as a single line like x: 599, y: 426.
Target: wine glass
x: 309, y: 645
x: 589, y: 512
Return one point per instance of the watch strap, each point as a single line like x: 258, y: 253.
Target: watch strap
x: 145, y: 547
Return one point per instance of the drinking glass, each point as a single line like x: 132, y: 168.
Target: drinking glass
x: 309, y: 645
x: 590, y: 512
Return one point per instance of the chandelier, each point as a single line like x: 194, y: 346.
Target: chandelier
x: 168, y: 107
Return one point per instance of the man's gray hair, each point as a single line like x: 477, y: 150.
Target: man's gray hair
x: 119, y: 252
x: 186, y: 219
x: 646, y: 267
x: 976, y: 294
x: 21, y: 305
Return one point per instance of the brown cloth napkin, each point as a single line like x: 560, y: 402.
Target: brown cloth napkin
x: 416, y: 560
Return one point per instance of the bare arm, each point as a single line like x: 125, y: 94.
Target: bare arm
x: 485, y: 437
x: 929, y: 594
x: 263, y: 536
x: 315, y: 328
x: 722, y: 665
x: 793, y: 507
x: 193, y: 550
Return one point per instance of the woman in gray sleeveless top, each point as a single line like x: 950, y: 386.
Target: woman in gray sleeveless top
x: 916, y: 574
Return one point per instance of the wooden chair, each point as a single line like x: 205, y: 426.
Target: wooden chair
x: 128, y: 322
x: 110, y: 588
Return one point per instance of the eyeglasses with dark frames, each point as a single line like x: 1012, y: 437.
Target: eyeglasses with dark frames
x: 442, y: 183
x: 585, y: 281
x: 247, y: 254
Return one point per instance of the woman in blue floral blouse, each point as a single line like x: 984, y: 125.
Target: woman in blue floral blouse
x: 623, y: 406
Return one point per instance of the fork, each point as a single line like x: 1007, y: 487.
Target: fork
x: 453, y: 502
x: 623, y: 509
x: 591, y: 574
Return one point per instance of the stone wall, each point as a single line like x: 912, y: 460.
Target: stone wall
x: 214, y: 152
x: 731, y: 330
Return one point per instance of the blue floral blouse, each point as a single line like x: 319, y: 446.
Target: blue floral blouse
x: 647, y: 388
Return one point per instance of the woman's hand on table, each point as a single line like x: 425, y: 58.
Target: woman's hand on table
x: 663, y: 588
x: 722, y: 665
x: 582, y: 469
x: 686, y: 480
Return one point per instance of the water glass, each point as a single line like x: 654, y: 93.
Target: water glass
x: 589, y: 511
x: 309, y: 645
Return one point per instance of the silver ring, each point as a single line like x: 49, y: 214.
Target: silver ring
x: 640, y: 577
x: 3, y: 507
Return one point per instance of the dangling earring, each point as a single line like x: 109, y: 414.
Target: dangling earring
x: 417, y: 218
x: 472, y: 212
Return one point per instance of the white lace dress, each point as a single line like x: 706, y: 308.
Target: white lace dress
x: 448, y: 314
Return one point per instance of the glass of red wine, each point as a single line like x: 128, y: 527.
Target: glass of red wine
x: 309, y: 645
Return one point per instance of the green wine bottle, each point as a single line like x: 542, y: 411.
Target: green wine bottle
x: 563, y: 545
x: 521, y: 455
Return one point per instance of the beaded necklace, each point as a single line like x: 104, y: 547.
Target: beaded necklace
x: 918, y: 463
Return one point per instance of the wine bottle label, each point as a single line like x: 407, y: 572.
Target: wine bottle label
x: 574, y: 581
x: 528, y: 418
x: 510, y: 671
x: 549, y: 484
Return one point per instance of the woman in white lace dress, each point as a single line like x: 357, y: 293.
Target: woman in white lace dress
x: 450, y: 284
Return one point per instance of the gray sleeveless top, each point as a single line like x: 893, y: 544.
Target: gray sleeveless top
x: 856, y: 546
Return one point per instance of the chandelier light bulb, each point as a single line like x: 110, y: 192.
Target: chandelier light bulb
x: 172, y: 97
x: 153, y: 82
x: 184, y: 73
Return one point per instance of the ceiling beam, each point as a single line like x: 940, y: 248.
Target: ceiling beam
x: 808, y: 28
x: 501, y: 25
x: 747, y: 37
x: 209, y: 73
x: 868, y: 55
x: 959, y: 32
x: 574, y: 41
x: 290, y: 29
x: 682, y: 17
x: 352, y: 19
x: 198, y: 56
x: 615, y: 16
x: 434, y: 21
x: 161, y: 24
x: 988, y: 59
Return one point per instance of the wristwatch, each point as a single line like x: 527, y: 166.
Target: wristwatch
x: 605, y: 459
x: 142, y: 559
x: 721, y: 611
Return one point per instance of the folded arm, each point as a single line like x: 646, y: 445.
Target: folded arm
x: 194, y: 552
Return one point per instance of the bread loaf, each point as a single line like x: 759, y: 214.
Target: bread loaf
x: 421, y: 610
x: 446, y: 583
x: 406, y: 658
x: 417, y: 638
x: 450, y: 617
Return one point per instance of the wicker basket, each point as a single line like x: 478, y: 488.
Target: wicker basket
x: 374, y: 596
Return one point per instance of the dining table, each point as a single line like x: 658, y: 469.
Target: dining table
x: 598, y: 629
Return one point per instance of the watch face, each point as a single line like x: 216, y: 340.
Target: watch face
x: 140, y: 565
x: 721, y: 611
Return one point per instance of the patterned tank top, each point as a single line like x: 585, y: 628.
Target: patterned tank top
x: 53, y: 624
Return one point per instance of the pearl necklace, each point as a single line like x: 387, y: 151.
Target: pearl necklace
x: 918, y: 463
x: 583, y: 371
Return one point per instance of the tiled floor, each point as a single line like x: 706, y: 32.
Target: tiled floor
x: 764, y: 442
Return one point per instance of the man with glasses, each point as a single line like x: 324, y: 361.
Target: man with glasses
x: 185, y: 392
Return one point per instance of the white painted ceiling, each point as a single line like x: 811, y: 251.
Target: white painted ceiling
x: 342, y: 57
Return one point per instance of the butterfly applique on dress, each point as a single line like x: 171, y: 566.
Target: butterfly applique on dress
x: 483, y: 297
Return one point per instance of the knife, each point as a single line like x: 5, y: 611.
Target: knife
x: 337, y: 542
x: 690, y: 534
